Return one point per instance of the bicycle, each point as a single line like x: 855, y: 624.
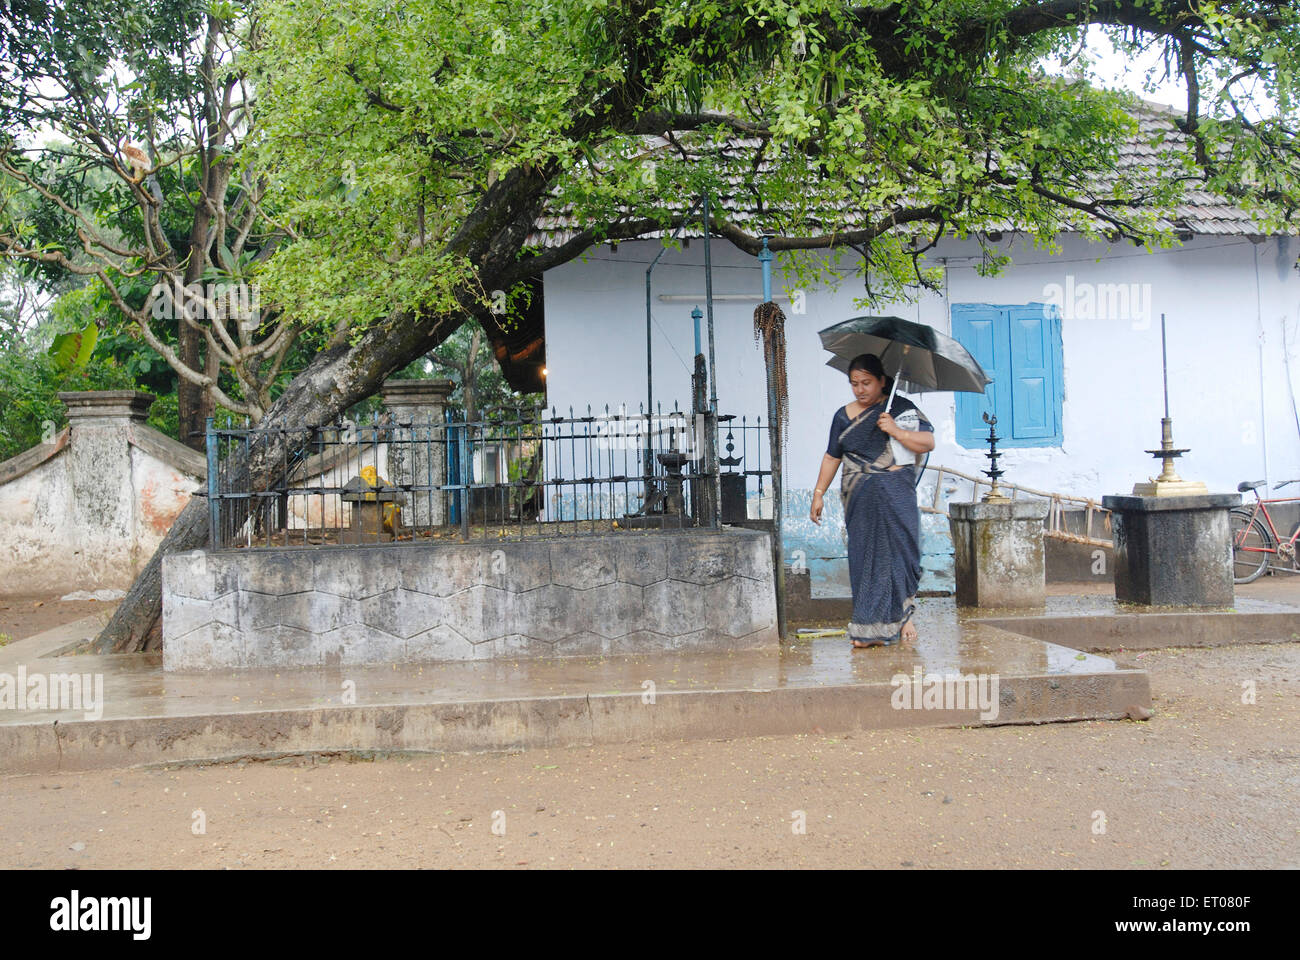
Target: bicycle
x: 1253, y: 543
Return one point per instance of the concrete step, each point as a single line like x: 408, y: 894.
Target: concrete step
x: 820, y: 686
x: 527, y: 722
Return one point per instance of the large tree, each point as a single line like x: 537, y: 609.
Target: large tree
x: 412, y: 146
x: 121, y: 162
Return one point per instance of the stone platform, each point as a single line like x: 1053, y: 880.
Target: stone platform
x: 624, y: 593
x: 154, y: 717
x: 811, y: 686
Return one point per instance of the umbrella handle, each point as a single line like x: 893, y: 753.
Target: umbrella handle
x: 894, y: 389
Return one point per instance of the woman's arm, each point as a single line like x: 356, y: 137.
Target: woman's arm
x: 824, y: 477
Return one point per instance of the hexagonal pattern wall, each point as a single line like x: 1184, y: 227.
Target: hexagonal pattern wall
x: 629, y: 593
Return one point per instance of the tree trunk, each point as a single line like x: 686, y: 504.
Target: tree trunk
x: 189, y: 396
x: 334, y: 381
x: 338, y: 377
x: 468, y: 383
x: 137, y: 624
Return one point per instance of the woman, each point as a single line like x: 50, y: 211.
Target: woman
x: 879, y: 497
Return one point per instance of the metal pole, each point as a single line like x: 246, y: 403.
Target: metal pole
x: 773, y: 435
x: 710, y: 428
x: 1164, y: 364
x: 214, y: 486
x: 649, y: 378
x: 649, y: 372
x: 465, y: 450
x: 1263, y: 408
x: 778, y: 552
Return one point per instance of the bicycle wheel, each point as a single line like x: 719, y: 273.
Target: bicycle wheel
x: 1252, y: 546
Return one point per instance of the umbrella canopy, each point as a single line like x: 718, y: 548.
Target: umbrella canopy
x: 931, y: 360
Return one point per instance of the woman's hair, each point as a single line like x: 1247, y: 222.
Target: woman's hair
x: 870, y: 363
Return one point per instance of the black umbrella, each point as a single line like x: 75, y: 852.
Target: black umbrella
x: 919, y: 356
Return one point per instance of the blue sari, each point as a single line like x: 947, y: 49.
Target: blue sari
x: 882, y: 521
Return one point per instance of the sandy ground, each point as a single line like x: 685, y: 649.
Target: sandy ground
x: 1209, y: 782
x: 27, y: 614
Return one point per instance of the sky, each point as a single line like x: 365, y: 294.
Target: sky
x: 1111, y: 69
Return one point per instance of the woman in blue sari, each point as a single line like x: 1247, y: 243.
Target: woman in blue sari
x: 879, y: 498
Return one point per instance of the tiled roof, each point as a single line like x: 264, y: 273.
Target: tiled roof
x: 1201, y: 213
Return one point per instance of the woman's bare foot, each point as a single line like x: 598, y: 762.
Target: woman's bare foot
x: 909, y: 632
x: 874, y: 642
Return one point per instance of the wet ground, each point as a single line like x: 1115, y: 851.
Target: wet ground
x: 136, y: 686
x: 1208, y: 782
x: 1211, y: 780
x: 949, y: 641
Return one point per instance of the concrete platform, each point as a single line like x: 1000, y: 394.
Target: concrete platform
x: 1117, y: 633
x: 597, y: 595
x: 1100, y: 624
x: 821, y: 685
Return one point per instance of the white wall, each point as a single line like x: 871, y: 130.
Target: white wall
x: 595, y: 328
x: 91, y: 516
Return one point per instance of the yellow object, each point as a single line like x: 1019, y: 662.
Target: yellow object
x: 372, y: 477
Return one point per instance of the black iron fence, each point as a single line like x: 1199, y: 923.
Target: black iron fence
x: 513, y: 474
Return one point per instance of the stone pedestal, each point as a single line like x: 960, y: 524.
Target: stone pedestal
x: 734, y: 508
x: 106, y: 409
x: 103, y: 503
x: 1173, y: 551
x: 417, y: 455
x: 370, y: 508
x: 998, y: 553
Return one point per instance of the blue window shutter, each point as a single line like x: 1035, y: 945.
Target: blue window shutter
x: 980, y: 328
x: 1020, y: 348
x: 1033, y: 387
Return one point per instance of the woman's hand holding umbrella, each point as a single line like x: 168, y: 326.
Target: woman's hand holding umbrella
x: 916, y: 441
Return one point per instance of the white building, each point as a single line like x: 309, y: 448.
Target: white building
x: 1072, y: 340
x: 1078, y: 381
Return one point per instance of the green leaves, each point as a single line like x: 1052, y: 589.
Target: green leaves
x: 73, y: 350
x: 383, y: 133
x: 30, y: 381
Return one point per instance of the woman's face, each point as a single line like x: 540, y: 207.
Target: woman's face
x: 866, y: 388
